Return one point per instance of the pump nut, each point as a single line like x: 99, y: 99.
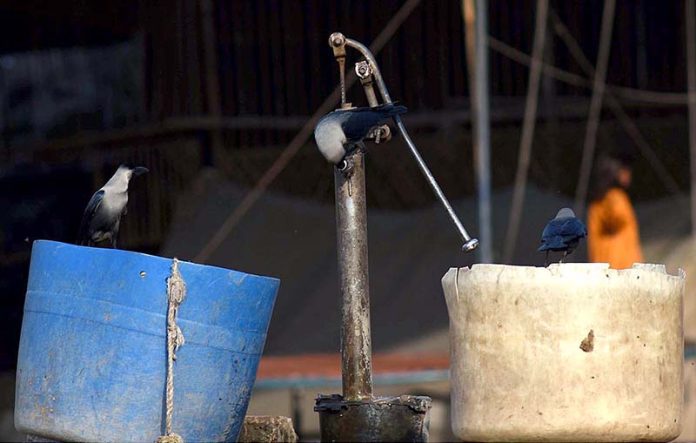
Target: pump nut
x: 363, y: 69
x: 346, y: 166
x: 379, y: 134
x: 337, y: 39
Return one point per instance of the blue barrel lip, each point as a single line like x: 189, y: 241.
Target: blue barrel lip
x: 40, y: 242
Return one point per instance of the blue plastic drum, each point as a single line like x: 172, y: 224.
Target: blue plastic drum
x: 92, y: 356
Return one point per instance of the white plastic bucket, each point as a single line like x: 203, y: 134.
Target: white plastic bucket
x: 525, y: 366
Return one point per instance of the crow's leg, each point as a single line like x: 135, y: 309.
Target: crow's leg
x: 546, y: 259
x: 114, y: 232
x: 110, y: 237
x: 565, y: 254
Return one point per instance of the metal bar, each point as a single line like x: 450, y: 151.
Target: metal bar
x: 373, y: 64
x: 364, y: 72
x: 504, y: 110
x: 342, y: 73
x: 469, y: 17
x: 386, y: 379
x: 357, y: 416
x: 469, y: 243
x: 528, y: 124
x: 381, y: 379
x: 351, y: 227
x: 632, y: 95
x: 212, y: 80
x: 595, y: 106
x: 483, y: 132
x: 641, y: 46
x: 691, y: 78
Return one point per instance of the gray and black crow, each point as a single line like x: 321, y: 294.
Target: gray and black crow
x: 102, y: 216
x: 563, y: 233
x: 342, y: 131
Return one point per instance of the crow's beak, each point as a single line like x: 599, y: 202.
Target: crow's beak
x: 139, y: 171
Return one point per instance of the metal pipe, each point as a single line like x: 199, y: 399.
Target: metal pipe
x: 373, y: 64
x: 483, y: 133
x: 469, y: 243
x: 351, y: 227
x: 598, y: 86
x: 689, y: 12
x: 357, y: 415
x: 338, y: 39
x: 528, y: 126
x: 364, y: 72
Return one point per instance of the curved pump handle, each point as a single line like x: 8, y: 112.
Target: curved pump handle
x: 338, y: 43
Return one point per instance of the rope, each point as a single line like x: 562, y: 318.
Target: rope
x: 176, y: 291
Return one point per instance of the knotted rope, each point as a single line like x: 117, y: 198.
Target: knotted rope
x: 176, y: 291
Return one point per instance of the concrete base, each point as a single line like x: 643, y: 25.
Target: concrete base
x: 573, y: 352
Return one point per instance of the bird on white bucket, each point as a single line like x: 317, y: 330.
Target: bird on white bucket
x: 103, y: 213
x: 562, y: 234
x: 342, y: 131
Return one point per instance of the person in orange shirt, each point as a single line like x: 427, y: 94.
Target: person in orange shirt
x: 612, y: 228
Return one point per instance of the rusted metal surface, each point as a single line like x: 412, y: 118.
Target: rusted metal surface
x: 351, y: 227
x: 399, y: 419
x: 356, y: 415
x: 363, y: 70
x: 338, y: 44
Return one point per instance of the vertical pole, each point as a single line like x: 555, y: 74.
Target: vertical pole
x: 351, y: 228
x: 595, y: 106
x: 528, y: 124
x: 691, y: 67
x: 641, y: 52
x: 548, y: 101
x: 484, y: 135
x: 355, y: 416
x: 351, y: 231
x: 476, y: 36
x: 212, y: 81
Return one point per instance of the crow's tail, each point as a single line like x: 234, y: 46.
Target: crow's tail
x: 391, y: 109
